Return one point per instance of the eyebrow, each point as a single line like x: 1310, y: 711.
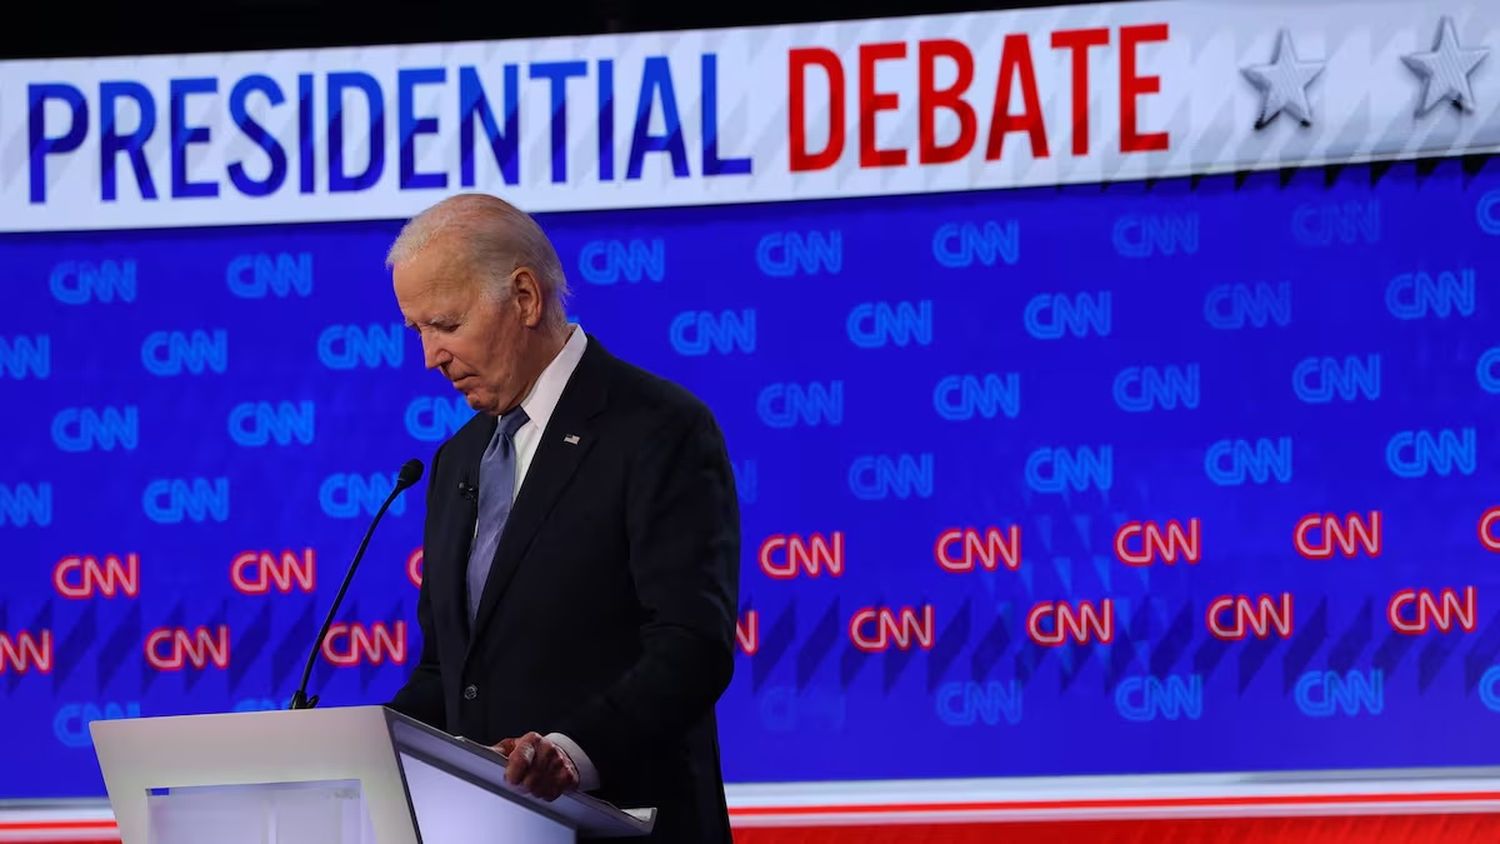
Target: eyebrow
x: 439, y: 320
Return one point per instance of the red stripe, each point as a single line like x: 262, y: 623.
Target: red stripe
x: 54, y: 826
x: 1465, y: 828
x: 1121, y: 803
x: 1013, y: 805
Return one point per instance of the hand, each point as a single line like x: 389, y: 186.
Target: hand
x: 538, y: 766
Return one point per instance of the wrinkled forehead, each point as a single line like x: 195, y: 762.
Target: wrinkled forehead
x: 440, y: 271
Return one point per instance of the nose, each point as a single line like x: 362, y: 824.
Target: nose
x: 433, y: 354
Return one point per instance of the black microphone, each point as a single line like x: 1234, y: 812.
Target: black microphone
x: 468, y: 491
x: 411, y: 472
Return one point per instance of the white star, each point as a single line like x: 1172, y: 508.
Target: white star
x: 1445, y: 71
x: 1283, y: 83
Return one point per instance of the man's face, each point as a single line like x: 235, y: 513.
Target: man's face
x: 475, y: 341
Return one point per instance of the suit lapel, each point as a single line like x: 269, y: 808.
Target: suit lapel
x: 568, y: 438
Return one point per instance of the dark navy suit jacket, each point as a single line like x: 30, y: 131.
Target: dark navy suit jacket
x: 610, y: 608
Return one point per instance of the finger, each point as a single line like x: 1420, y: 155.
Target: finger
x: 562, y: 776
x: 521, y: 757
x: 549, y: 788
x: 505, y: 747
x: 549, y: 791
x: 567, y: 772
x: 543, y: 770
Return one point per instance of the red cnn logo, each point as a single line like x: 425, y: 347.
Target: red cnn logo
x: 358, y: 644
x: 255, y: 572
x: 1347, y: 536
x: 1158, y: 545
x: 747, y: 632
x: 1432, y: 610
x: 174, y: 648
x: 1489, y: 529
x: 414, y: 568
x: 811, y: 555
x: 957, y: 549
x: 84, y: 577
x: 1247, y: 617
x: 23, y: 653
x: 1078, y: 625
x: 875, y: 629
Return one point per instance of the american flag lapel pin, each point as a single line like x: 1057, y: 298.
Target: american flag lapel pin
x: 571, y: 439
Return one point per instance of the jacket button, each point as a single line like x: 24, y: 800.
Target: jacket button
x: 471, y: 691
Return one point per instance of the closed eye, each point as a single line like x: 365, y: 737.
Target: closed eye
x: 446, y: 325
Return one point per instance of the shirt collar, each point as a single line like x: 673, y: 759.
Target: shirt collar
x: 548, y: 389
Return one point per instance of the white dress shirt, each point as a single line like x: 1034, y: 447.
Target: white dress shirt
x: 542, y: 400
x: 539, y: 404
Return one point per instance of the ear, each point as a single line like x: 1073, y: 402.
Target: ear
x: 526, y: 294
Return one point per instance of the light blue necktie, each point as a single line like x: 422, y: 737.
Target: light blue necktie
x: 497, y: 484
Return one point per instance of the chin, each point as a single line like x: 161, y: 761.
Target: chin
x: 479, y: 402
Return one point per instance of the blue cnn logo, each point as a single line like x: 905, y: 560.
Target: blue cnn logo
x: 1419, y: 295
x: 1050, y: 316
x: 79, y: 429
x: 1487, y: 371
x: 958, y: 245
x: 1233, y: 462
x: 1142, y: 389
x: 353, y: 346
x: 1489, y: 688
x: 697, y: 333
x: 1148, y: 698
x: 1343, y: 223
x: 1150, y: 235
x: 170, y: 501
x: 256, y: 423
x: 1080, y: 469
x: 82, y: 282
x: 1323, y: 694
x: 1417, y: 454
x: 785, y: 709
x: 876, y: 324
x: 71, y: 723
x: 784, y: 254
x: 959, y: 398
x: 350, y: 496
x: 431, y: 420
x: 1319, y: 380
x: 25, y: 504
x: 608, y: 261
x: 26, y: 357
x: 876, y: 477
x: 1487, y: 210
x: 788, y: 405
x: 969, y: 703
x: 1230, y: 307
x: 167, y: 353
x: 261, y: 275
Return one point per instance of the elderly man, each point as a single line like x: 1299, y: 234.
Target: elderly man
x: 581, y: 548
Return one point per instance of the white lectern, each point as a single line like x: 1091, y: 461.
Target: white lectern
x: 353, y: 775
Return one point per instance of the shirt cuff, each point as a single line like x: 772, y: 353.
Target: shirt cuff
x: 588, y: 776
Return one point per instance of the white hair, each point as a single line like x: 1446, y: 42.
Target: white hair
x: 500, y: 239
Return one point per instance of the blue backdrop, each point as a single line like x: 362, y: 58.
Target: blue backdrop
x: 1064, y: 362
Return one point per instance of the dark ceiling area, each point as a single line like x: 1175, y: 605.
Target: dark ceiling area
x: 59, y: 29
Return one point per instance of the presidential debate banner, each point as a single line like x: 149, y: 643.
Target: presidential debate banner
x: 1098, y: 92
x: 1182, y: 474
